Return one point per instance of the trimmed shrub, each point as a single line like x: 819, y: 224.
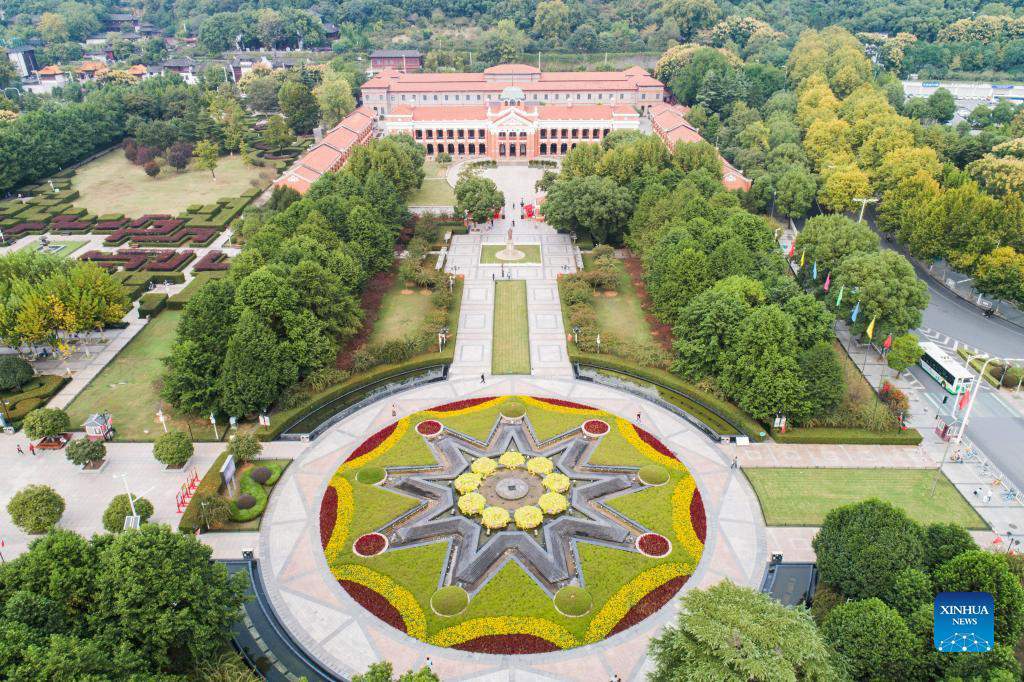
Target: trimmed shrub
x: 82, y: 451
x: 173, y: 449
x: 36, y: 508
x: 120, y: 507
x: 14, y: 372
x: 260, y: 474
x: 245, y: 501
x: 46, y: 422
x: 450, y: 600
x: 244, y: 447
x: 151, y: 304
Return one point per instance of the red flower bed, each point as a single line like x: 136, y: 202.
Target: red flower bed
x: 595, y: 427
x: 564, y: 403
x: 372, y: 442
x: 375, y: 603
x: 328, y: 515
x: 507, y: 644
x: 649, y: 604
x: 649, y: 438
x: 653, y: 544
x: 460, y: 404
x: 697, y: 518
x: 428, y: 428
x: 370, y: 544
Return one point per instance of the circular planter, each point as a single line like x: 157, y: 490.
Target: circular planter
x: 371, y: 475
x: 430, y: 428
x: 653, y: 474
x: 573, y: 601
x: 450, y: 600
x: 370, y: 544
x: 595, y: 428
x: 245, y: 501
x: 512, y: 411
x: 653, y: 545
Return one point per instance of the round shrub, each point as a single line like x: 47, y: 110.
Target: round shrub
x: 245, y: 501
x: 46, y: 422
x: 260, y: 474
x: 81, y: 451
x: 653, y: 474
x: 370, y: 475
x: 512, y: 409
x: 119, y: 507
x: 173, y: 449
x: 862, y: 547
x: 14, y: 372
x: 573, y: 601
x: 36, y: 508
x: 244, y: 447
x: 450, y: 600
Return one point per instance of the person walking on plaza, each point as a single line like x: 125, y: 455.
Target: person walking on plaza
x: 32, y: 448
x: 20, y: 451
x: 482, y: 379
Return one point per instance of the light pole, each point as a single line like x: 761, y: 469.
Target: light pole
x: 864, y: 201
x: 977, y: 388
x: 131, y: 500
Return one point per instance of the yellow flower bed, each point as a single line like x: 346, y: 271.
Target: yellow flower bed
x: 616, y: 608
x: 511, y: 459
x: 505, y: 625
x: 682, y: 497
x: 528, y: 517
x: 495, y: 518
x: 398, y: 596
x: 346, y: 509
x: 401, y: 427
x: 556, y: 483
x: 553, y: 503
x: 472, y: 504
x: 550, y: 407
x: 629, y: 433
x: 540, y: 466
x: 439, y: 414
x: 467, y: 482
x: 485, y: 466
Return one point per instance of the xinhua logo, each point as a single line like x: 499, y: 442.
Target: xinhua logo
x: 964, y: 622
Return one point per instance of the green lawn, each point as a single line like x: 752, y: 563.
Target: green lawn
x: 433, y: 192
x: 489, y: 255
x: 621, y: 315
x: 66, y: 247
x: 112, y: 184
x: 802, y: 497
x: 511, y: 334
x: 400, y: 313
x: 127, y: 387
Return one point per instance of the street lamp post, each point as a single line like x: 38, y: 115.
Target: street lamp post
x: 977, y: 388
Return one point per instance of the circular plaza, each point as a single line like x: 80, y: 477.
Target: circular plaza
x: 531, y: 524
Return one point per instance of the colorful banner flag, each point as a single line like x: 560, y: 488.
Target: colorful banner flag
x: 828, y: 281
x: 856, y: 312
x: 839, y: 298
x: 964, y: 397
x: 887, y: 344
x: 814, y: 271
x: 792, y: 248
x: 803, y: 256
x: 871, y: 327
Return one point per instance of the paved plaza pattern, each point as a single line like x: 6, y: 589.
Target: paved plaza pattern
x: 339, y: 632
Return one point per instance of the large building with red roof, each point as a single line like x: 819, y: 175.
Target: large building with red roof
x: 331, y: 152
x: 670, y: 124
x: 633, y: 87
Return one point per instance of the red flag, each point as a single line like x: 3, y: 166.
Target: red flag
x: 828, y: 281
x: 792, y: 248
x: 963, y: 399
x: 888, y: 342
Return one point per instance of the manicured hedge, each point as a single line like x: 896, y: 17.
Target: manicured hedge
x: 36, y: 393
x: 847, y: 436
x: 747, y: 424
x: 178, y: 300
x: 151, y: 304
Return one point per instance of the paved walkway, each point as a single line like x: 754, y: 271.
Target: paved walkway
x: 325, y: 620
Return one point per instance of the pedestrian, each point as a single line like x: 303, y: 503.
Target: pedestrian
x: 513, y: 222
x: 977, y: 491
x: 492, y: 276
x: 735, y: 462
x: 430, y: 663
x: 988, y: 495
x: 20, y: 451
x: 394, y: 411
x: 482, y: 379
x: 638, y: 417
x: 32, y: 448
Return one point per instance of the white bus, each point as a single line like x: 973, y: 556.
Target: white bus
x: 945, y: 369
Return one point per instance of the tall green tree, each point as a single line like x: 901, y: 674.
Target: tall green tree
x: 728, y: 632
x: 477, y: 196
x: 872, y: 639
x: 887, y: 288
x: 596, y: 205
x: 299, y: 106
x: 334, y: 96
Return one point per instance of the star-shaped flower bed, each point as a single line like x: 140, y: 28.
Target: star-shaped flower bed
x: 540, y: 521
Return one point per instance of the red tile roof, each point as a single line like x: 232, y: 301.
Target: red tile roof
x: 51, y: 70
x: 512, y: 68
x: 483, y: 113
x: 328, y: 154
x: 552, y: 81
x: 671, y: 126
